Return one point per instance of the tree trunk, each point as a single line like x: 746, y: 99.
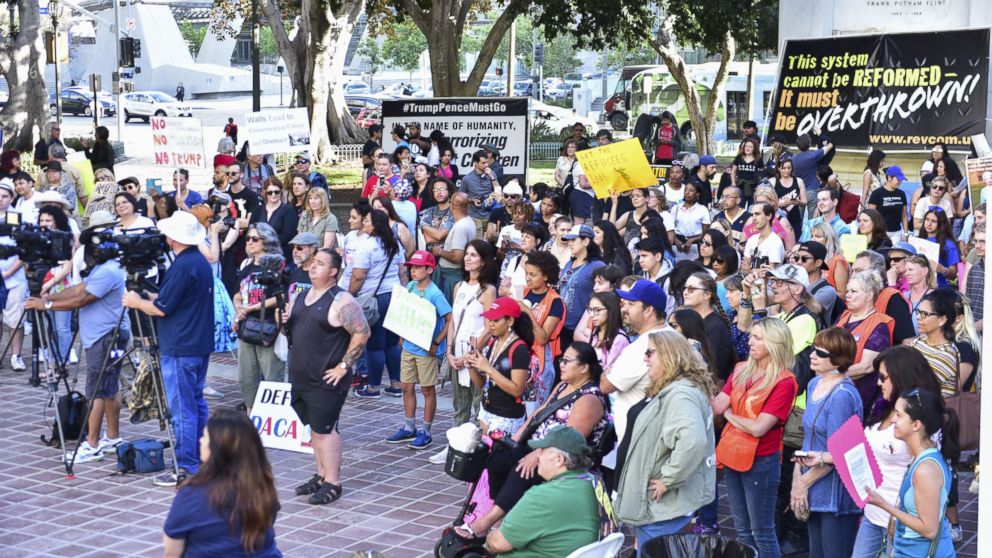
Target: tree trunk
x: 318, y: 78
x: 292, y: 51
x: 20, y: 64
x: 341, y: 126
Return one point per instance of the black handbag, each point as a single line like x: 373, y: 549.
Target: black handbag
x: 257, y: 331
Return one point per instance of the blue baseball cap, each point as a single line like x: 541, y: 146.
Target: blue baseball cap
x: 900, y: 247
x: 707, y: 160
x: 579, y: 231
x: 896, y: 172
x: 646, y: 291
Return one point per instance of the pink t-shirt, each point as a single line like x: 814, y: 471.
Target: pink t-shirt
x: 777, y: 228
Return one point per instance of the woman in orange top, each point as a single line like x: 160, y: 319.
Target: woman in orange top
x: 547, y: 312
x: 756, y: 402
x: 837, y: 268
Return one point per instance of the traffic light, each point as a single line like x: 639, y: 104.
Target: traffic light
x: 127, y: 52
x: 499, y: 72
x: 539, y: 53
x: 137, y: 49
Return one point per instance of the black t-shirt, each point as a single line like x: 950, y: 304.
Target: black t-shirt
x: 299, y: 281
x: 369, y: 148
x: 246, y: 201
x: 751, y: 172
x: 898, y: 310
x: 500, y: 217
x: 721, y: 344
x: 968, y: 356
x: 494, y: 399
x: 704, y: 188
x: 557, y: 307
x: 892, y: 206
x: 624, y: 447
x: 252, y: 292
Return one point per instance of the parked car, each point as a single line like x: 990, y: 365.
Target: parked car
x: 80, y: 102
x: 558, y: 119
x: 492, y: 88
x: 558, y: 91
x: 358, y: 102
x: 145, y: 104
x: 369, y: 116
x: 357, y: 88
x: 401, y: 89
x: 524, y: 89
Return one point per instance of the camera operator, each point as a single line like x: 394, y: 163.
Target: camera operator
x: 185, y: 311
x: 255, y: 305
x: 16, y: 284
x: 98, y: 298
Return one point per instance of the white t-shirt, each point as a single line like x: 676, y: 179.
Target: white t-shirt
x: 690, y: 221
x: 28, y: 210
x: 629, y: 374
x: 350, y: 246
x: 771, y: 247
x: 674, y: 196
x: 563, y: 167
x: 372, y: 256
x: 893, y: 458
x: 576, y: 173
x: 924, y: 205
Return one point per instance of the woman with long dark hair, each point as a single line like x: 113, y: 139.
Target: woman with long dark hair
x: 102, y: 155
x: 872, y: 225
x: 229, y: 507
x: 375, y: 270
x: 296, y: 192
x: 747, y: 168
x: 612, y: 246
x: 279, y: 215
x: 872, y: 177
x: 936, y: 317
x: 398, y: 225
x: 52, y: 217
x: 10, y: 163
x: 712, y: 240
x: 607, y: 335
x: 700, y: 295
x: 937, y: 228
x: 791, y: 192
x: 576, y: 282
x: 690, y: 324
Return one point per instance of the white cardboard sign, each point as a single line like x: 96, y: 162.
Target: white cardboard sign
x: 277, y: 423
x: 278, y: 130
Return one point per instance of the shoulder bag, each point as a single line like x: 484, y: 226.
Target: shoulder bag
x: 968, y: 406
x: 368, y: 302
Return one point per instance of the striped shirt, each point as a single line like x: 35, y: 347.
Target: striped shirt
x: 944, y: 360
x: 975, y: 289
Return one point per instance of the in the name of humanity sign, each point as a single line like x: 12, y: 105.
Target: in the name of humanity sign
x: 278, y: 130
x: 277, y: 423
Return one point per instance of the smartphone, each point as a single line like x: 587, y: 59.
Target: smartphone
x: 800, y: 453
x: 154, y: 184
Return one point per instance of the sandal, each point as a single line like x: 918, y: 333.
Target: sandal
x: 310, y: 486
x: 326, y: 494
x: 465, y: 532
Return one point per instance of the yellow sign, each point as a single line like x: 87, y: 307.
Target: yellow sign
x: 853, y: 244
x: 661, y: 171
x: 616, y: 168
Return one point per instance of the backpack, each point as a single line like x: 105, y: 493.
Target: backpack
x: 140, y: 456
x: 839, y: 305
x: 72, y: 409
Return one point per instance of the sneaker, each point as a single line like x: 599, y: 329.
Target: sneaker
x: 439, y: 458
x: 357, y: 382
x: 393, y: 392
x: 422, y: 442
x: 956, y: 533
x: 17, y: 363
x: 401, y: 436
x: 704, y: 529
x: 109, y: 444
x: 166, y: 479
x: 211, y: 393
x: 87, y: 453
x: 367, y: 393
x: 73, y: 357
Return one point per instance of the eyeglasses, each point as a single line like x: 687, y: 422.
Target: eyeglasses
x: 690, y: 289
x: 273, y: 192
x: 235, y: 173
x: 567, y: 360
x: 596, y: 309
x: 821, y: 353
x: 923, y: 314
x: 648, y: 353
x: 253, y: 238
x: 299, y: 247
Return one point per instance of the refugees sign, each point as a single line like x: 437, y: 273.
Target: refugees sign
x: 411, y: 317
x: 885, y: 91
x: 276, y: 421
x: 278, y: 131
x: 468, y: 123
x: 177, y: 142
x: 617, y: 167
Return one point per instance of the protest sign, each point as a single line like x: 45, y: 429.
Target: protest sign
x: 101, y: 197
x: 411, y: 317
x: 661, y: 172
x: 278, y: 130
x: 901, y: 91
x: 468, y: 123
x: 616, y: 168
x: 276, y: 421
x: 979, y: 173
x: 926, y: 248
x: 853, y: 244
x: 854, y: 459
x: 177, y: 142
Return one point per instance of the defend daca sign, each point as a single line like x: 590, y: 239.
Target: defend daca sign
x: 897, y: 91
x: 177, y: 142
x: 277, y: 423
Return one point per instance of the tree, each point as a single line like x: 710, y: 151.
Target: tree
x: 314, y: 59
x: 757, y: 37
x: 559, y: 56
x: 443, y: 22
x: 370, y: 50
x: 22, y: 53
x: 403, y: 46
x: 627, y: 55
x: 193, y: 35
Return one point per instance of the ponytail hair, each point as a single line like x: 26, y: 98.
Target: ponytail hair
x: 928, y: 407
x: 524, y: 328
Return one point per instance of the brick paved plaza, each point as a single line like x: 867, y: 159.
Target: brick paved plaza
x: 394, y: 500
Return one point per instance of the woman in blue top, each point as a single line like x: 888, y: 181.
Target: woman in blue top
x: 817, y: 491
x: 575, y: 282
x: 937, y: 228
x: 921, y: 529
x: 228, y: 508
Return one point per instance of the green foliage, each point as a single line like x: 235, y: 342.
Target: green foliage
x: 760, y: 34
x: 403, y: 45
x: 752, y: 23
x: 193, y: 35
x: 267, y: 42
x: 628, y: 55
x: 560, y: 57
x: 369, y: 49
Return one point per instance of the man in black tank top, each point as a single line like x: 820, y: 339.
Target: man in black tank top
x: 327, y: 332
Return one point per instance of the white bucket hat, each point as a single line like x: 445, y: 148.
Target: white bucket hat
x: 51, y: 196
x: 183, y: 228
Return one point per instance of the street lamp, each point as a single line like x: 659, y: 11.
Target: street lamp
x: 55, y: 10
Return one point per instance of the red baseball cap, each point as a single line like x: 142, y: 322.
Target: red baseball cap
x: 226, y: 160
x: 422, y: 257
x: 503, y: 307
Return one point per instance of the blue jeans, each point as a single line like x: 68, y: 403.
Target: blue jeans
x: 644, y: 533
x: 383, y: 348
x: 183, y: 378
x: 752, y: 498
x: 832, y: 535
x: 869, y: 540
x: 62, y: 324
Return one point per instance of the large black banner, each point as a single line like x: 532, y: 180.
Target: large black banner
x: 886, y: 91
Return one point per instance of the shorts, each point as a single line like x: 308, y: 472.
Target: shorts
x: 13, y: 311
x: 105, y: 387
x: 320, y: 409
x: 416, y: 369
x: 581, y: 204
x: 505, y: 426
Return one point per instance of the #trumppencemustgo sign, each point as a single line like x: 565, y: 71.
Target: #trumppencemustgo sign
x: 468, y: 123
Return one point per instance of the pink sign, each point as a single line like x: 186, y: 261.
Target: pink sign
x: 854, y: 460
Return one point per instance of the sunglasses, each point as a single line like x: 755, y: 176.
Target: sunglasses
x: 707, y: 243
x: 253, y: 238
x: 821, y: 353
x: 939, y: 189
x: 301, y: 162
x: 649, y: 353
x: 805, y: 259
x: 273, y: 192
x: 897, y: 260
x: 720, y: 260
x: 235, y: 173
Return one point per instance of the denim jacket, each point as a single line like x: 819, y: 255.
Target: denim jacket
x: 828, y: 494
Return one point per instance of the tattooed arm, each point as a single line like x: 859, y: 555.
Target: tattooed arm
x: 345, y: 312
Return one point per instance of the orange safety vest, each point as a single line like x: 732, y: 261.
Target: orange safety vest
x: 863, y: 330
x: 541, y: 312
x: 737, y: 448
x: 882, y: 302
